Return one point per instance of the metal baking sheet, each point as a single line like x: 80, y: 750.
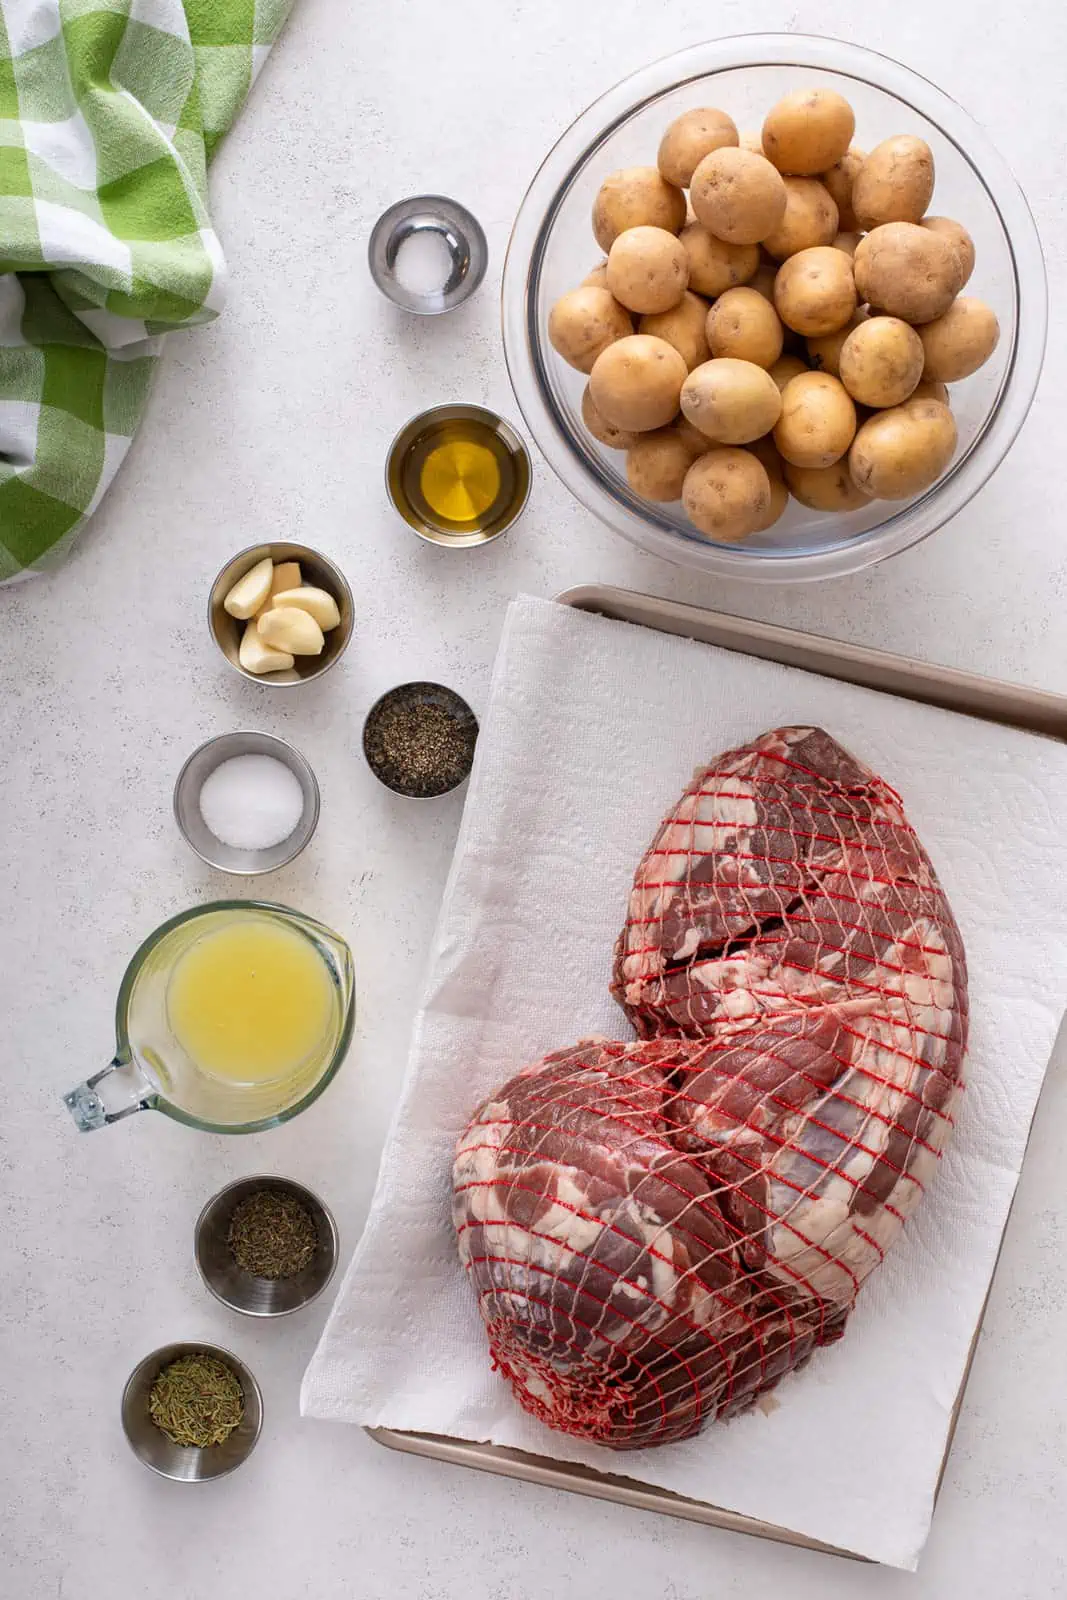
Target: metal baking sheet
x: 1034, y: 710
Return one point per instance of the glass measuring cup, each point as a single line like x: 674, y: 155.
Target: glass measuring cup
x: 154, y: 1069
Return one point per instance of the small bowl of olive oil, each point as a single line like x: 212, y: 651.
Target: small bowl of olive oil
x: 459, y: 475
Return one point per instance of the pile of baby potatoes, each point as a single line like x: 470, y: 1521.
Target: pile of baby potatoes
x: 791, y: 330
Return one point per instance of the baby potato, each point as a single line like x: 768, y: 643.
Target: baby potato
x: 900, y: 452
x: 846, y: 242
x: 787, y: 367
x: 839, y: 179
x: 635, y: 383
x: 894, y: 183
x: 731, y: 401
x: 773, y: 465
x: 957, y: 344
x: 598, y: 278
x: 766, y: 453
x: 737, y: 195
x: 779, y: 502
x: 928, y: 390
x: 648, y: 269
x: 814, y: 292
x: 810, y: 219
x: 683, y: 327
x: 808, y: 131
x: 636, y: 197
x: 957, y: 235
x: 743, y: 324
x: 691, y: 137
x: 907, y: 271
x: 825, y: 488
x: 656, y: 465
x: 752, y: 140
x: 762, y: 280
x: 881, y: 362
x: 818, y: 421
x: 584, y: 322
x: 714, y: 265
x: 824, y: 353
x: 602, y: 429
x: 695, y: 441
x: 726, y: 494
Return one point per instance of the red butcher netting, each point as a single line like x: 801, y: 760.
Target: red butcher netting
x: 658, y: 1231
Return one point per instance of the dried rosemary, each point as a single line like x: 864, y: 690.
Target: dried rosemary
x: 272, y: 1235
x: 197, y: 1400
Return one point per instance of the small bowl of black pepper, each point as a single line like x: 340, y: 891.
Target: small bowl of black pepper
x: 265, y: 1246
x: 419, y: 740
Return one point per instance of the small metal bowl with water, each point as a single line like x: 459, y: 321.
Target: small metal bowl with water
x: 195, y: 831
x: 464, y: 249
x: 243, y: 1291
x: 187, y: 1463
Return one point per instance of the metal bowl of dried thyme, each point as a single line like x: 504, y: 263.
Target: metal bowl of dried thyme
x: 265, y: 1246
x: 192, y: 1412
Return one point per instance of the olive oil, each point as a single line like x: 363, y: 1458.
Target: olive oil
x: 458, y: 475
x: 460, y: 480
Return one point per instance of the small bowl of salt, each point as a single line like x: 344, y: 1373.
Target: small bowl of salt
x: 246, y: 802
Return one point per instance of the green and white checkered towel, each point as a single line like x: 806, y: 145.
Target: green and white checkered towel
x: 110, y: 111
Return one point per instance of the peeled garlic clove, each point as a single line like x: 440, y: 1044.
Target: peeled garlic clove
x: 316, y: 602
x: 289, y: 628
x: 249, y: 592
x: 255, y: 655
x: 287, y: 575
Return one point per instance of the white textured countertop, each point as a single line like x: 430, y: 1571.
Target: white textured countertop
x: 274, y: 423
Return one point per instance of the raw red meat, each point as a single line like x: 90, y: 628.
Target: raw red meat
x: 658, y: 1231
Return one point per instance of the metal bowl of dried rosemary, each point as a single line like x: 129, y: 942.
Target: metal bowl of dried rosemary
x: 265, y: 1246
x: 192, y: 1412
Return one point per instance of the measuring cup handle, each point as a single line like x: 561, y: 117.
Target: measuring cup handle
x: 117, y: 1091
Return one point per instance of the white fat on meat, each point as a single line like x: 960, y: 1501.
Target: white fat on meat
x: 688, y: 946
x: 730, y: 809
x: 567, y: 1217
x: 660, y: 1277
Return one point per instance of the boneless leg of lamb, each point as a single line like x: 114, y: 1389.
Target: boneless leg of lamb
x: 658, y: 1231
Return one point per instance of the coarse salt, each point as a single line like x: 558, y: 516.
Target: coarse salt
x: 423, y: 263
x: 251, y: 802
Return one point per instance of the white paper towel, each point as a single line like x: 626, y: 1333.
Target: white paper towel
x: 593, y: 729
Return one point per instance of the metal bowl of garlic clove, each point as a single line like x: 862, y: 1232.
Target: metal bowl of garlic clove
x: 293, y: 567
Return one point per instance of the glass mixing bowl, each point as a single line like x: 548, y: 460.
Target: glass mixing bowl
x: 552, y: 248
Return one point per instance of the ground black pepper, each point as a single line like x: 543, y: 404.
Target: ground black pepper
x: 419, y: 739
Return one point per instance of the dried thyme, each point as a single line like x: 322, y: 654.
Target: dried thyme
x: 272, y: 1235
